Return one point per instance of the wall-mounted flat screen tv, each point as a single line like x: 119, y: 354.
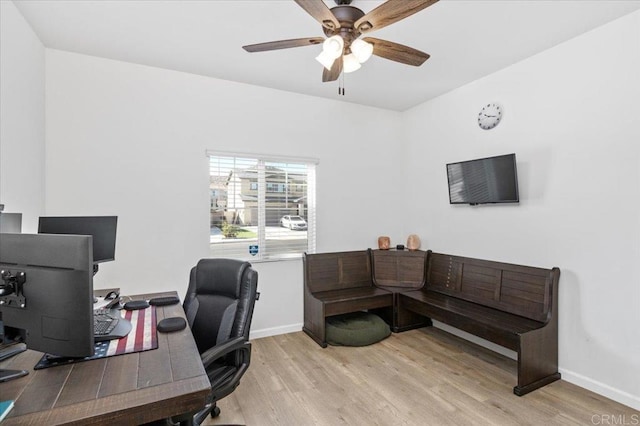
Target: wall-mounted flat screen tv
x: 484, y: 181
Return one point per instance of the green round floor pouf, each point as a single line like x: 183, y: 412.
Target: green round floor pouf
x: 356, y: 329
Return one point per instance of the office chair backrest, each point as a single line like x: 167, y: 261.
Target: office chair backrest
x: 219, y: 301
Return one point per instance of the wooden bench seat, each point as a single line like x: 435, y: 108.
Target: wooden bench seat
x: 399, y: 271
x: 513, y: 306
x: 338, y: 283
x: 491, y: 324
x: 353, y: 299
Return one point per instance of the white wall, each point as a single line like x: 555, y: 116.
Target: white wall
x: 571, y: 117
x: 22, y: 122
x: 130, y: 140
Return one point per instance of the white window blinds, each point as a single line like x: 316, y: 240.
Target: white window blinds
x: 262, y: 208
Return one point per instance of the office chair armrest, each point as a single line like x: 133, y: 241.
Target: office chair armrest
x: 218, y: 351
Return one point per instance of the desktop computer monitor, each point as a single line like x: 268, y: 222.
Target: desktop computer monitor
x: 101, y: 228
x: 46, y: 292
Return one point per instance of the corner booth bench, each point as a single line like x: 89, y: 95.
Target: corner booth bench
x: 513, y: 306
x: 338, y: 283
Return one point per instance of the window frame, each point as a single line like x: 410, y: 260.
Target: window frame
x: 261, y: 161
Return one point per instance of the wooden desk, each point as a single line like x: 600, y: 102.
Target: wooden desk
x: 126, y: 389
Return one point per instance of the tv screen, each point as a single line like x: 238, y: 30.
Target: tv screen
x: 483, y: 181
x: 101, y: 228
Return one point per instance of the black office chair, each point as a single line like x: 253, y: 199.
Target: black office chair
x: 219, y: 307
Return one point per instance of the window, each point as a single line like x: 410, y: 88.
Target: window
x: 262, y: 208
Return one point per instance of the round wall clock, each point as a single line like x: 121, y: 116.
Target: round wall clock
x: 489, y: 116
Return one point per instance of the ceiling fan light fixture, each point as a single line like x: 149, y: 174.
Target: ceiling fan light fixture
x: 350, y: 63
x: 361, y: 50
x: 333, y: 46
x: 343, y: 25
x: 325, y: 59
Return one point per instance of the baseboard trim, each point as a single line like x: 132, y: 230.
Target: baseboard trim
x: 601, y: 389
x: 274, y: 331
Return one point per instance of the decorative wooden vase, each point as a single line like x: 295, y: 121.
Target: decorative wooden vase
x: 413, y: 242
x: 384, y: 243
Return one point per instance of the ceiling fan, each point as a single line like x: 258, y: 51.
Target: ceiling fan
x: 343, y: 49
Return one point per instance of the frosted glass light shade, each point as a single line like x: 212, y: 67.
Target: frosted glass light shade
x: 325, y: 59
x: 350, y: 63
x: 333, y: 46
x: 362, y: 50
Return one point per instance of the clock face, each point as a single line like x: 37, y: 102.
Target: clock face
x: 489, y: 116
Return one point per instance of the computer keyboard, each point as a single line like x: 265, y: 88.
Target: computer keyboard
x: 104, y: 322
x: 105, y: 311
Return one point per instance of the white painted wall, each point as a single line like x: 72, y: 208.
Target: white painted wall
x: 22, y: 122
x: 130, y: 140
x: 571, y: 117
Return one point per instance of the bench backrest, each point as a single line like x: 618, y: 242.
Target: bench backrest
x: 520, y: 290
x: 333, y: 271
x: 403, y: 269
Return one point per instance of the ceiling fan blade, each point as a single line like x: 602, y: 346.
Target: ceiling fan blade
x: 397, y: 52
x: 320, y: 13
x: 283, y: 44
x: 389, y: 12
x: 334, y: 72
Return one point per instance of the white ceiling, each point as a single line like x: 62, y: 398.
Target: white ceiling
x: 467, y: 39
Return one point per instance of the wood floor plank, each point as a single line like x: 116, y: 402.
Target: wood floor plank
x: 419, y: 377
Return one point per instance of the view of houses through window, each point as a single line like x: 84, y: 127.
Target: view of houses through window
x: 261, y: 208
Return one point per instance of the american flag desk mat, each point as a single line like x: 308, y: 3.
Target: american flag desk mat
x: 143, y: 337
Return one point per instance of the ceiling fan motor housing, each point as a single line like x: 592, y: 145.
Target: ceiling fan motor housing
x: 347, y: 16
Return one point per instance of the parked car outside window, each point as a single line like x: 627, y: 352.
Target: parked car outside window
x: 293, y: 222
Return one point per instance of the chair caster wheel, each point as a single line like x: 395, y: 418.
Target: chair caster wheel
x: 215, y: 412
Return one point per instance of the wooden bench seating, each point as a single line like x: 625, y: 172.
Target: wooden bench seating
x: 398, y: 271
x: 513, y: 306
x: 338, y: 283
x: 498, y: 326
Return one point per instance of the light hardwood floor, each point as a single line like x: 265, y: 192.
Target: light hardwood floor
x: 419, y: 377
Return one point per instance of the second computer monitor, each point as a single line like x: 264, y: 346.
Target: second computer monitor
x: 101, y: 228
